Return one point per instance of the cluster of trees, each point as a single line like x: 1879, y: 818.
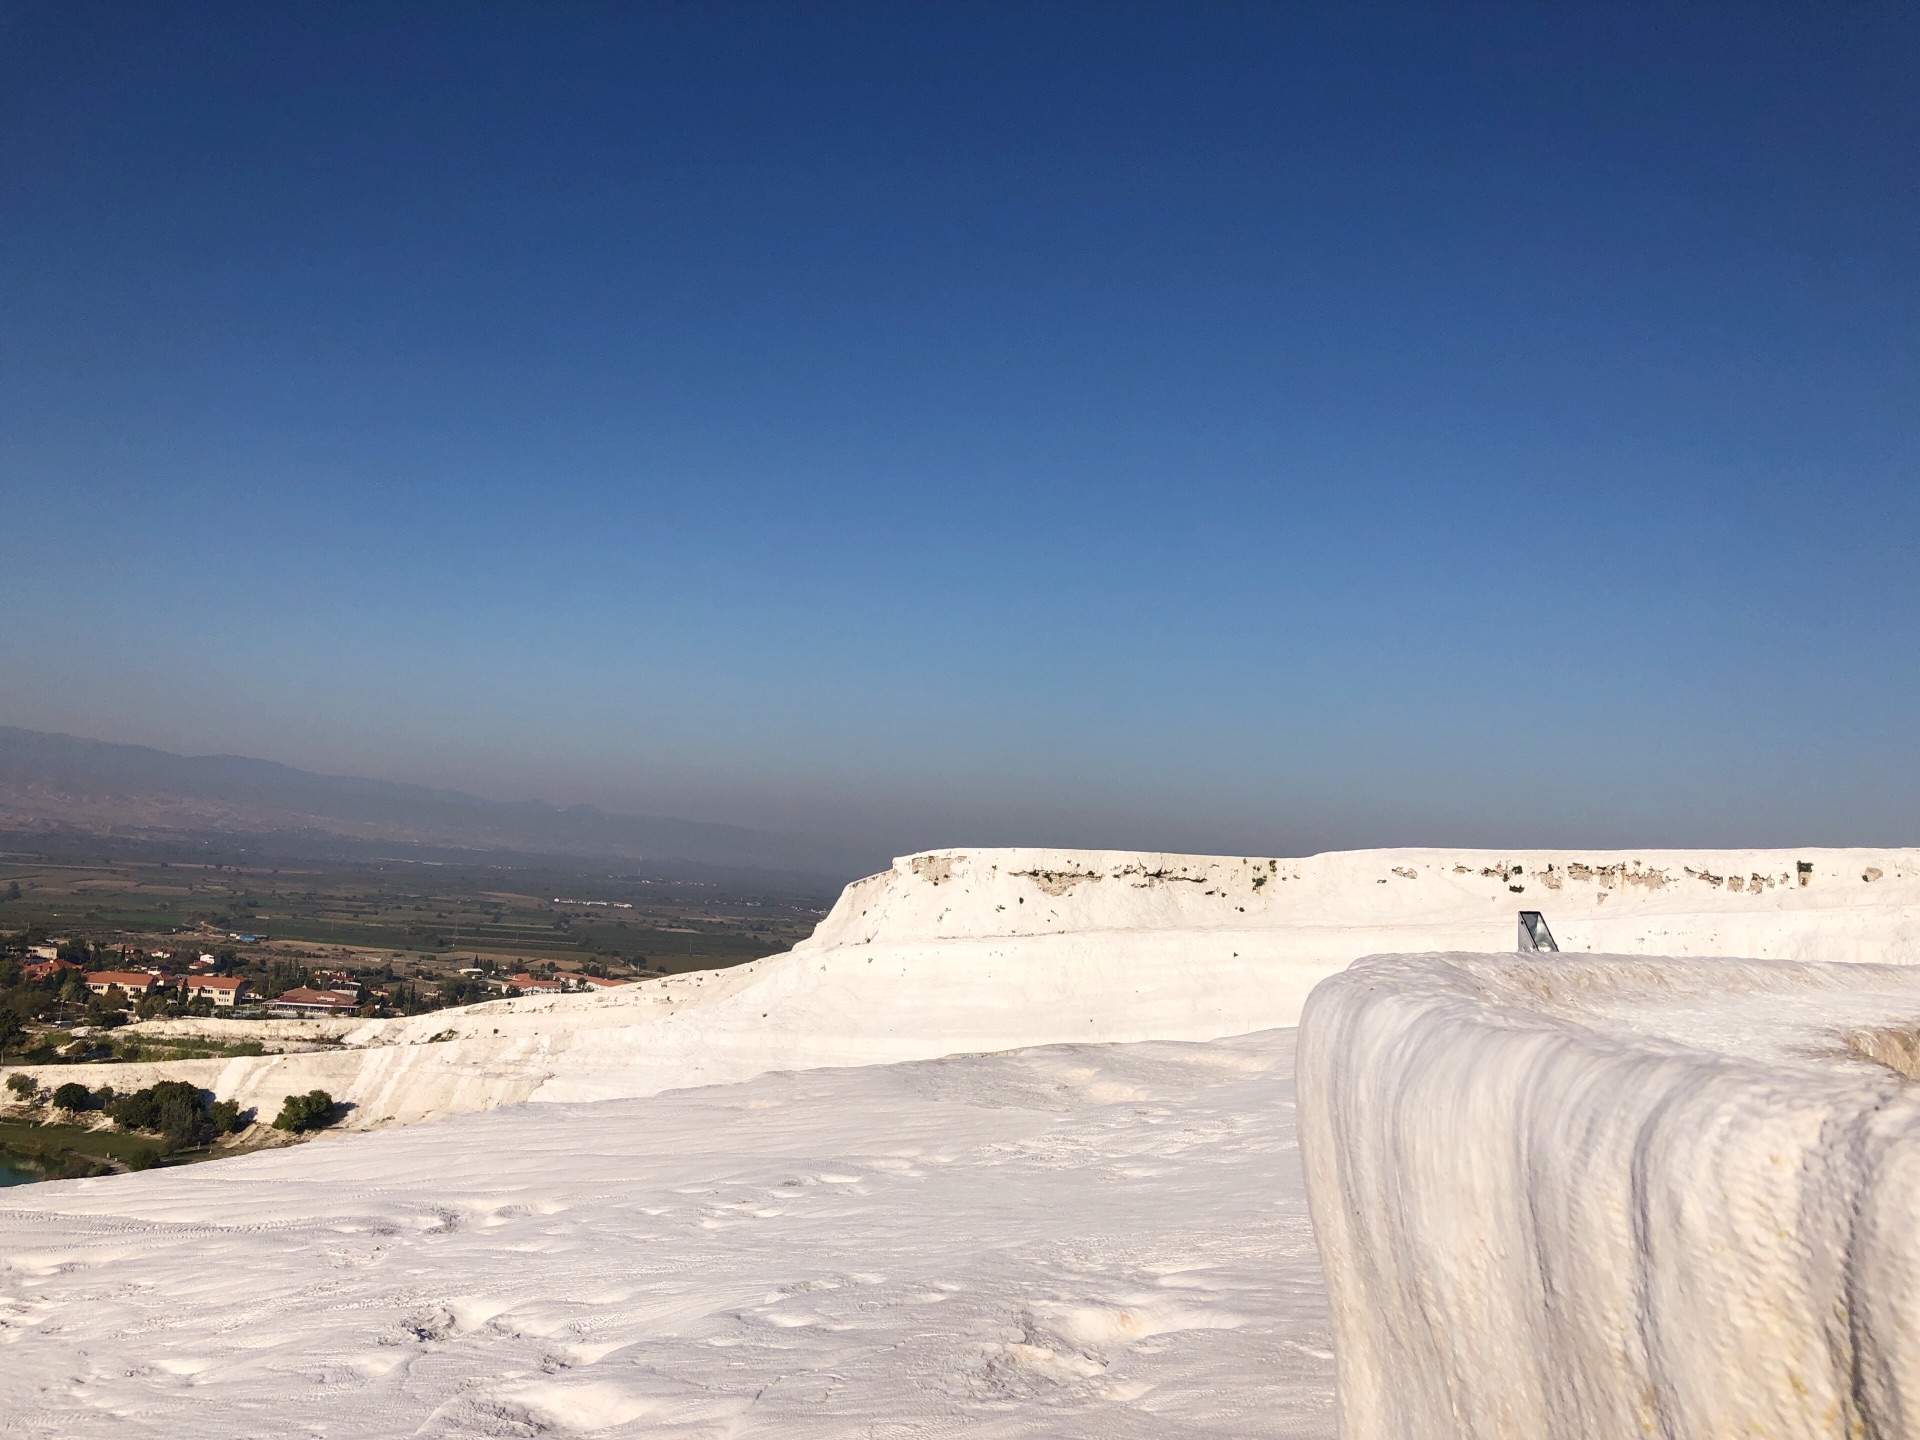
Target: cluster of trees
x: 180, y: 1115
x: 178, y: 1112
x: 405, y: 997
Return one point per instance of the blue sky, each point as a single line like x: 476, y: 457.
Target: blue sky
x: 1218, y: 427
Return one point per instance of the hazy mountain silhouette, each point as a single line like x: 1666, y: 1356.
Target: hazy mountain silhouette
x: 49, y: 780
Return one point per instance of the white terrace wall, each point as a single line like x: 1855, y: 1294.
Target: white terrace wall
x: 957, y: 951
x: 1586, y: 1197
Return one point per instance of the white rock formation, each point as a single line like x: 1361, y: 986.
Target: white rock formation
x: 1078, y: 1243
x: 955, y: 952
x: 1582, y: 1196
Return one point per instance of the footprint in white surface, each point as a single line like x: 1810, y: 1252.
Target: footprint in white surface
x: 1033, y: 1360
x: 1109, y: 1326
x: 185, y: 1365
x: 803, y: 1287
x: 788, y: 1319
x: 470, y: 1312
x: 580, y: 1405
x: 488, y: 1217
x: 377, y: 1363
x: 583, y: 1354
x: 1046, y: 1363
x: 467, y: 1417
x: 1187, y: 1277
x: 440, y: 1221
x: 617, y: 1296
x: 436, y: 1323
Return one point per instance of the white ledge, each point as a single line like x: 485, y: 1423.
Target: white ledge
x: 1595, y: 1196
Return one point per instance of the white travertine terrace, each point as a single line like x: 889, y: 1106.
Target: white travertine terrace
x: 1088, y: 1240
x: 1589, y: 1195
x: 973, y: 951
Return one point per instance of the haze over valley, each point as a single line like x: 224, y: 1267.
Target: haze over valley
x: 55, y: 786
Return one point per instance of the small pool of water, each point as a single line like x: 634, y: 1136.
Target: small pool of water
x: 15, y: 1174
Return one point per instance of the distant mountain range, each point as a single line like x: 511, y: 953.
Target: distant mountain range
x: 62, y: 782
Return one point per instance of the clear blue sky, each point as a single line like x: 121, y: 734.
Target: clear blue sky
x: 1206, y: 426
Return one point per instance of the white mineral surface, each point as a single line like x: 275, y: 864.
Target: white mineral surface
x: 1076, y: 1241
x: 1603, y: 1195
x: 1006, y: 1148
x: 954, y: 952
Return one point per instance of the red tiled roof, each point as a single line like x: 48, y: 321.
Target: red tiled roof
x: 125, y: 979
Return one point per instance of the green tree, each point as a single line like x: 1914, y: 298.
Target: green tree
x: 310, y: 1111
x: 463, y: 991
x: 73, y: 1096
x: 10, y: 1031
x: 172, y: 1108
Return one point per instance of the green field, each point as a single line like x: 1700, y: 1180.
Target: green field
x: 404, y: 911
x: 70, y: 1151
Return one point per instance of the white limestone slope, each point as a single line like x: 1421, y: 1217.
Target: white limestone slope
x: 1583, y: 1196
x: 1075, y: 1243
x: 954, y: 952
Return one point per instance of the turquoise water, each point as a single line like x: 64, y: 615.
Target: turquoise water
x: 11, y: 1174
